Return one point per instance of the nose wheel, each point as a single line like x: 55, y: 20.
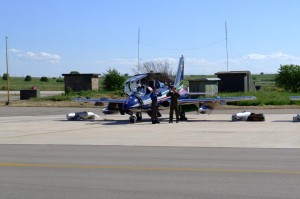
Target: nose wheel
x: 132, y: 119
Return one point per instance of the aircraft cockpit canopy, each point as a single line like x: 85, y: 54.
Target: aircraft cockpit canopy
x: 135, y: 85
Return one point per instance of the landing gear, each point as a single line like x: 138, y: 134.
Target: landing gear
x: 182, y: 116
x: 139, y: 116
x: 132, y: 119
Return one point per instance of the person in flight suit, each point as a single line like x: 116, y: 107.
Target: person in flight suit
x: 174, y: 103
x: 154, y: 106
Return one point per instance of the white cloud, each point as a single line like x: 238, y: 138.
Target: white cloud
x: 256, y: 63
x: 43, y: 56
x: 37, y: 56
x: 273, y: 56
x: 14, y: 50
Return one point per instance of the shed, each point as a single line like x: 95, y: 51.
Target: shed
x: 205, y: 85
x: 236, y: 81
x: 79, y: 82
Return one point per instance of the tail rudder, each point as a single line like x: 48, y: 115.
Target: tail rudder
x: 180, y: 74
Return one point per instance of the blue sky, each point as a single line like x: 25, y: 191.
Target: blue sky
x: 52, y: 37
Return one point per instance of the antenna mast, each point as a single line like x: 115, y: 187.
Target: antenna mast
x: 7, y: 75
x: 226, y: 43
x: 139, y: 48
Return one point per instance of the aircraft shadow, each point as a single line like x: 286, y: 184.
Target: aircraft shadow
x: 286, y: 121
x: 144, y: 121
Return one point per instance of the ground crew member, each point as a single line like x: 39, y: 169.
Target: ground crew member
x: 174, y: 103
x: 154, y: 106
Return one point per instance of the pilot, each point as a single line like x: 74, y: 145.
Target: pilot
x: 140, y: 89
x: 154, y: 105
x: 174, y: 104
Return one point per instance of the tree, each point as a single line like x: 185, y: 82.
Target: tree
x: 28, y: 78
x: 74, y: 72
x: 113, y: 80
x: 156, y: 66
x: 5, y: 76
x: 288, y: 77
x: 44, y: 79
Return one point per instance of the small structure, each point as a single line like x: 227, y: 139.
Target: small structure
x: 236, y: 81
x: 79, y: 82
x: 205, y: 85
x: 27, y: 94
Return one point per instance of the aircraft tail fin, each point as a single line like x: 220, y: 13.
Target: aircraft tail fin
x: 180, y: 74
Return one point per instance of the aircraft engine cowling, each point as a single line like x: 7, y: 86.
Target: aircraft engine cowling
x: 132, y: 104
x: 205, y: 109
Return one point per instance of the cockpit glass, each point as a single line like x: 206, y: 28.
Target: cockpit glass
x: 135, y: 85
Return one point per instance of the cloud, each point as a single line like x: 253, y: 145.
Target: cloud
x: 43, y: 56
x: 273, y: 56
x: 255, y: 62
x: 14, y: 50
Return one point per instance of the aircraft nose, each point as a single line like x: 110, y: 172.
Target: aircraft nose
x: 131, y: 101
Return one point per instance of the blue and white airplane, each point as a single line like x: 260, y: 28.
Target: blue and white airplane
x: 138, y: 89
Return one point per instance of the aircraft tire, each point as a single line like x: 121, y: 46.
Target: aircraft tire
x: 132, y: 119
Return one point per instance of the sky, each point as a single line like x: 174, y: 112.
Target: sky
x: 54, y: 37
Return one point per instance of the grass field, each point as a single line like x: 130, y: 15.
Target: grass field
x: 18, y: 83
x: 268, y: 95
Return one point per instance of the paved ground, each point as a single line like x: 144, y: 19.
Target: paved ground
x: 50, y: 126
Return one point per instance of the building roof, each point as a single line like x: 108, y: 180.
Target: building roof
x: 232, y: 72
x: 206, y: 79
x: 83, y: 74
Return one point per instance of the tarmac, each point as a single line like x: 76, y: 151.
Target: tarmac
x: 50, y: 126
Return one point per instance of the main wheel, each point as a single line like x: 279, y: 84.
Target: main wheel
x: 139, y: 116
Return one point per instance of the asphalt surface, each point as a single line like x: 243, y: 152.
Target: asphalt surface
x: 71, y: 172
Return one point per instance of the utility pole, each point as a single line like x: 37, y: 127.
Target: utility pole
x: 139, y: 48
x: 226, y: 43
x: 7, y: 75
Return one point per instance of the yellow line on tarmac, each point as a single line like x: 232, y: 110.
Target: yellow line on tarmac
x: 9, y: 164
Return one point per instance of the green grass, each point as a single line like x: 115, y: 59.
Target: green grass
x: 264, y: 98
x: 268, y: 95
x: 18, y: 83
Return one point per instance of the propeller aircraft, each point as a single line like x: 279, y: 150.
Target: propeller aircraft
x: 138, y: 101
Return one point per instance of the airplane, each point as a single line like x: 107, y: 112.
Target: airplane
x: 138, y: 101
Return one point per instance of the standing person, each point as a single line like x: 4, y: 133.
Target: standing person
x: 174, y: 103
x: 154, y: 106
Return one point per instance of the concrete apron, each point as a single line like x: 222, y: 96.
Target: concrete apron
x: 216, y: 130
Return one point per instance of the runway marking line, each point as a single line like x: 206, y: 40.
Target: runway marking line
x: 9, y: 164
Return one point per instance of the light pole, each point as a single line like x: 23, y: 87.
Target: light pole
x: 7, y: 75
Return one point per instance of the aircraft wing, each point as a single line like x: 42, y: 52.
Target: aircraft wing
x: 103, y: 100
x: 295, y: 98
x: 216, y: 99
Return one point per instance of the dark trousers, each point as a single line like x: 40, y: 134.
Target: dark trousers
x: 154, y: 112
x: 172, y: 109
